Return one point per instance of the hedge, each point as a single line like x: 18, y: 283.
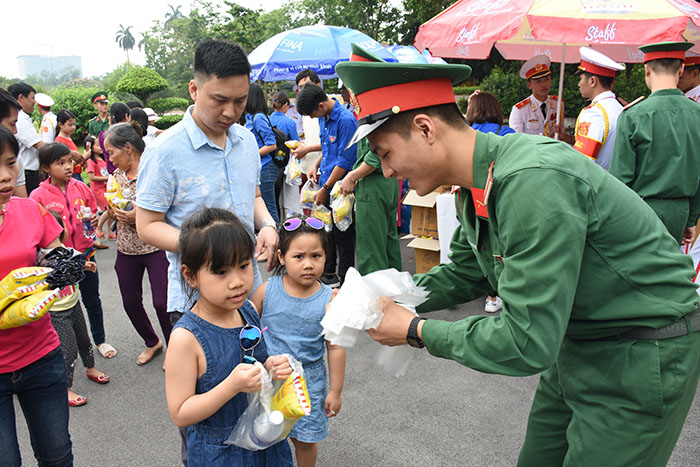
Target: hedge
x: 169, y: 120
x: 77, y: 100
x: 141, y: 82
x: 464, y: 90
x: 161, y: 106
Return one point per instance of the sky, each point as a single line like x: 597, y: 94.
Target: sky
x: 85, y: 28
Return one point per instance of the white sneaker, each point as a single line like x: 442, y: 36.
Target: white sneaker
x: 493, y: 306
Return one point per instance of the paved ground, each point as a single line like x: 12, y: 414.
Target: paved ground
x: 438, y: 414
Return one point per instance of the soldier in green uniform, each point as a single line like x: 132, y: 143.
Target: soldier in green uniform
x: 596, y: 294
x: 101, y: 121
x: 655, y: 150
x: 376, y: 206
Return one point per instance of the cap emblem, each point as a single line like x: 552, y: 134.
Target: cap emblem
x: 353, y: 100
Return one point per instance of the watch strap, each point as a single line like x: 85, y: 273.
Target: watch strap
x: 412, y: 335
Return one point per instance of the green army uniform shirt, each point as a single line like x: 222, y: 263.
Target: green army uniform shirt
x: 570, y: 249
x: 95, y: 125
x: 656, y: 152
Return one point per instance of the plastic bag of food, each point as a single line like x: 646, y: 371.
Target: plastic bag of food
x: 293, y: 172
x: 323, y: 213
x: 28, y: 309
x: 342, y: 208
x: 113, y: 191
x: 308, y: 191
x: 273, y: 411
x: 292, y: 144
x: 21, y: 283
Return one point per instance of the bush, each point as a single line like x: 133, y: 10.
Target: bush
x: 632, y: 86
x: 508, y: 88
x: 161, y: 106
x: 462, y: 104
x: 77, y: 100
x: 169, y: 120
x: 141, y: 82
x: 464, y: 90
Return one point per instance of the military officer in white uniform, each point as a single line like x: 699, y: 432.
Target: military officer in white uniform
x: 689, y: 81
x: 536, y: 115
x: 596, y: 124
x: 47, y: 130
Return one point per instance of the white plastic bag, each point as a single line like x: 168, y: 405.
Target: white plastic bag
x: 323, y: 213
x: 357, y: 308
x: 307, y: 194
x: 342, y: 206
x: 293, y: 172
x: 261, y: 425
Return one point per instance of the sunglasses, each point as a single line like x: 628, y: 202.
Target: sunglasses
x: 249, y: 337
x: 293, y: 223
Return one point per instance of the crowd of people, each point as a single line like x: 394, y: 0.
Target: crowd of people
x: 584, y: 263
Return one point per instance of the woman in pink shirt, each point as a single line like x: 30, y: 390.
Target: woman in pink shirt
x: 31, y: 362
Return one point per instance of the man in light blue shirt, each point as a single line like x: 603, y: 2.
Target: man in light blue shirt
x: 204, y: 161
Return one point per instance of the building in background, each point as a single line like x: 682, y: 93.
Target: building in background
x: 38, y: 65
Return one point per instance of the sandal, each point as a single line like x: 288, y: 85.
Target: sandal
x: 148, y: 353
x: 78, y: 401
x: 99, y: 379
x: 105, y: 349
x: 112, y: 236
x: 100, y: 233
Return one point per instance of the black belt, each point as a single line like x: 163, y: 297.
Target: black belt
x: 686, y: 325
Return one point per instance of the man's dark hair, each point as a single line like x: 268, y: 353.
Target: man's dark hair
x: 308, y: 73
x: 605, y: 81
x: 402, y: 123
x: 20, y: 88
x: 6, y: 103
x: 134, y: 105
x: 256, y: 102
x: 220, y: 59
x: 8, y: 141
x: 665, y: 66
x: 309, y: 98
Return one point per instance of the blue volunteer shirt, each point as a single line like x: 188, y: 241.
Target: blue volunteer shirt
x: 260, y: 126
x: 285, y: 124
x: 183, y: 171
x: 336, y: 132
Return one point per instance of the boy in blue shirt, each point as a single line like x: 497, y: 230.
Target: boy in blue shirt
x: 337, y: 125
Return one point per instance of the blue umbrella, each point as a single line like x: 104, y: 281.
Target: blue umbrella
x: 316, y: 47
x: 409, y: 54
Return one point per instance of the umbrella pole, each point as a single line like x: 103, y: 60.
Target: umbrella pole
x: 560, y: 100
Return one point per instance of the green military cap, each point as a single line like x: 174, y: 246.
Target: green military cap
x: 379, y: 90
x: 99, y: 96
x: 659, y: 50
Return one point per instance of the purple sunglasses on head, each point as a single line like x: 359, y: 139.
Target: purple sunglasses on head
x: 293, y: 223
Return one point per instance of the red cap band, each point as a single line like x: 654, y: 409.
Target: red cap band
x: 691, y: 61
x: 406, y: 96
x: 538, y: 69
x: 596, y: 69
x: 358, y: 58
x: 679, y: 54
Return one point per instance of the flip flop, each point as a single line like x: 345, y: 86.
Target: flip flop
x: 104, y: 349
x: 101, y: 379
x: 155, y: 352
x: 78, y: 401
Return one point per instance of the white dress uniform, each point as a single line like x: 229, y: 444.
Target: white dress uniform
x: 47, y: 130
x: 694, y: 93
x: 597, y: 123
x: 529, y: 116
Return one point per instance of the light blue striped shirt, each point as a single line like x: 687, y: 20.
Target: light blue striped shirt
x: 183, y: 171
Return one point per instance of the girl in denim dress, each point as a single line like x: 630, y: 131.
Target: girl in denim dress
x: 293, y: 305
x: 206, y: 381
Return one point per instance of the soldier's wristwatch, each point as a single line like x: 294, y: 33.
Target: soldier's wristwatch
x: 412, y: 335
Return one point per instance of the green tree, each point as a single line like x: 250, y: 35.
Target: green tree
x: 417, y: 12
x: 376, y: 18
x: 125, y: 39
x: 173, y: 14
x: 77, y: 100
x: 141, y: 82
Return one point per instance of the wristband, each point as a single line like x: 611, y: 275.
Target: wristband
x: 268, y: 224
x: 328, y: 189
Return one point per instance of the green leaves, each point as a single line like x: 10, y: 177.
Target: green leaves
x: 141, y: 82
x: 169, y: 120
x: 161, y: 106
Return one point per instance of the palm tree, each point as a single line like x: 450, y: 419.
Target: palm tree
x: 125, y: 40
x: 173, y: 14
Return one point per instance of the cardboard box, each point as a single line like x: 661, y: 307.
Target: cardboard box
x: 427, y: 253
x: 423, y: 213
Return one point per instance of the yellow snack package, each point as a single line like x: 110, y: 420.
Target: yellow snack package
x: 323, y: 213
x: 113, y: 190
x: 292, y: 398
x: 28, y: 309
x: 292, y: 144
x: 22, y: 282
